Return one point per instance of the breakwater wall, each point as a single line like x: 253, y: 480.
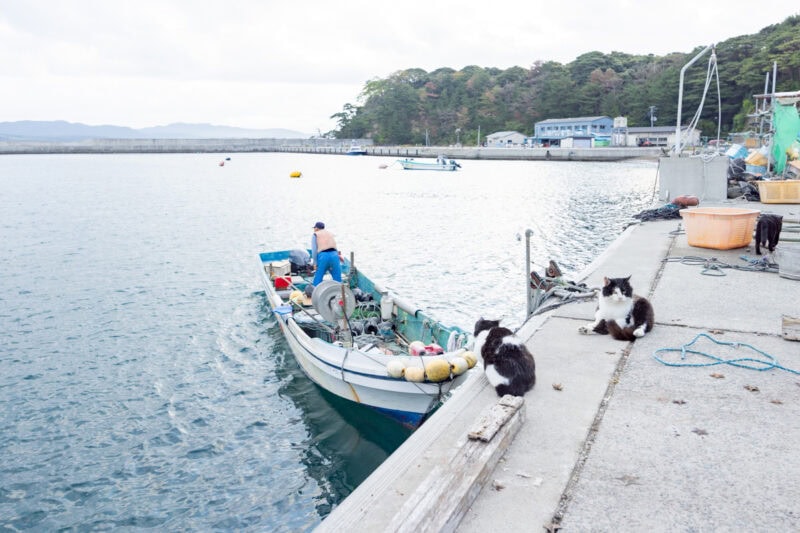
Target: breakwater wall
x: 319, y: 146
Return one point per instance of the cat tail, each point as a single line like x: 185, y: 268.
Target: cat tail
x: 621, y: 334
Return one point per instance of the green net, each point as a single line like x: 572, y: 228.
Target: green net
x: 787, y: 130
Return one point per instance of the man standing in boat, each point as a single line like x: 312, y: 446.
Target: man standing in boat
x: 324, y: 254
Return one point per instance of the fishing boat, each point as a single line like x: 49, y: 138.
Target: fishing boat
x: 441, y: 163
x: 361, y: 341
x: 356, y: 149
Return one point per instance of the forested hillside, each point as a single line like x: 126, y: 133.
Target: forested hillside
x: 452, y: 105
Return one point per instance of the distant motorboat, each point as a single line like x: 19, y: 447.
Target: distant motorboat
x: 441, y: 163
x: 356, y: 149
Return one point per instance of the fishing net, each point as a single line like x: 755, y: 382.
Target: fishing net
x: 667, y: 212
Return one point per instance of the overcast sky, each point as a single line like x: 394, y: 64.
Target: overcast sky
x: 268, y: 64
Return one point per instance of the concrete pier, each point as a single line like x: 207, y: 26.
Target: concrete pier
x: 320, y: 146
x: 613, y: 439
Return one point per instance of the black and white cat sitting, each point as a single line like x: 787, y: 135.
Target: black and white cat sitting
x: 507, y: 363
x: 768, y: 232
x: 620, y: 313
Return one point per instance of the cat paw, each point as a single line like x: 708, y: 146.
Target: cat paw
x: 585, y: 330
x: 638, y: 333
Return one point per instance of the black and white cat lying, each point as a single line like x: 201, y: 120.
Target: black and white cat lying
x: 507, y: 363
x: 620, y: 313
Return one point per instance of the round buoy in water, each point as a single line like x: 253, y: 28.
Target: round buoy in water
x: 396, y: 368
x: 458, y: 365
x: 437, y: 369
x: 470, y: 358
x: 415, y: 374
x: 295, y: 174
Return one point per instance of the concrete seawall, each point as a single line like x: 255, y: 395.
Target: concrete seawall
x: 319, y: 146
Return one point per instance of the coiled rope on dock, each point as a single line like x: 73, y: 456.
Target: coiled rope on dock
x: 751, y: 363
x: 714, y: 267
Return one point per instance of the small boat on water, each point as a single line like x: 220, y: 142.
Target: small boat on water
x: 361, y: 342
x: 356, y: 149
x: 441, y: 163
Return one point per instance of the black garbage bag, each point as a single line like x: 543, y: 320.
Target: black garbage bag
x: 736, y: 168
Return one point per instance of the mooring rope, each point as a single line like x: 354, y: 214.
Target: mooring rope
x: 749, y: 363
x: 714, y: 267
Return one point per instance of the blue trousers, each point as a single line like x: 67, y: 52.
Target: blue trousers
x: 328, y: 261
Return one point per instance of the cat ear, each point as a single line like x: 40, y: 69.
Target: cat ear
x: 606, y: 281
x: 628, y: 278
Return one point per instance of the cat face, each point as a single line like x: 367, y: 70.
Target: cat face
x: 617, y: 289
x: 482, y: 325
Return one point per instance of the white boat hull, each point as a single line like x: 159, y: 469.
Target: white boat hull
x: 412, y: 164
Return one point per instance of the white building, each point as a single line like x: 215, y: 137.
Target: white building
x: 503, y: 139
x: 661, y: 136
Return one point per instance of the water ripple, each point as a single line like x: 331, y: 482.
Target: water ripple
x: 145, y: 383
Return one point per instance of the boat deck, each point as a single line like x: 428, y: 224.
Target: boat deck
x: 370, y: 334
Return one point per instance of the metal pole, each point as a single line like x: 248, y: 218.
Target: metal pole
x: 528, y: 233
x: 772, y: 118
x: 680, y: 98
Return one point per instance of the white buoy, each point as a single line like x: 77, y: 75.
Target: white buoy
x: 396, y: 368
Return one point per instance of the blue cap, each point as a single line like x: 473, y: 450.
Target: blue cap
x: 319, y: 225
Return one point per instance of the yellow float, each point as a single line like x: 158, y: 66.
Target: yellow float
x: 415, y: 374
x: 470, y: 358
x: 437, y: 369
x: 295, y: 174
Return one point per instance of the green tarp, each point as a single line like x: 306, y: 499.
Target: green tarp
x: 787, y: 130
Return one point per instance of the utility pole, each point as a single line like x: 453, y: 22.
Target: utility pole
x: 653, y: 115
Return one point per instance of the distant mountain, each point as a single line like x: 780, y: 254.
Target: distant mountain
x: 59, y: 130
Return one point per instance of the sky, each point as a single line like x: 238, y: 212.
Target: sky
x: 266, y: 64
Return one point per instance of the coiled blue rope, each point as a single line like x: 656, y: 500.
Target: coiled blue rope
x: 749, y: 363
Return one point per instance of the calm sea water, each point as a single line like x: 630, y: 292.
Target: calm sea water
x: 144, y: 382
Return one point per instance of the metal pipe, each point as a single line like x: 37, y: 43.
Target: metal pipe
x: 528, y: 233
x: 774, y: 77
x: 680, y: 98
x: 770, y: 159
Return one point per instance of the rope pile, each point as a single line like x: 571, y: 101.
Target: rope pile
x: 714, y: 267
x: 751, y: 363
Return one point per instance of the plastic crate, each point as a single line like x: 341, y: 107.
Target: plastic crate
x: 720, y: 228
x: 279, y: 268
x: 779, y: 192
x: 756, y: 170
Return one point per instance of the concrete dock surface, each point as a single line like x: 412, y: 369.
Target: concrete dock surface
x: 614, y: 439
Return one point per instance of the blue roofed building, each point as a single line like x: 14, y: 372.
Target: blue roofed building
x: 578, y: 131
